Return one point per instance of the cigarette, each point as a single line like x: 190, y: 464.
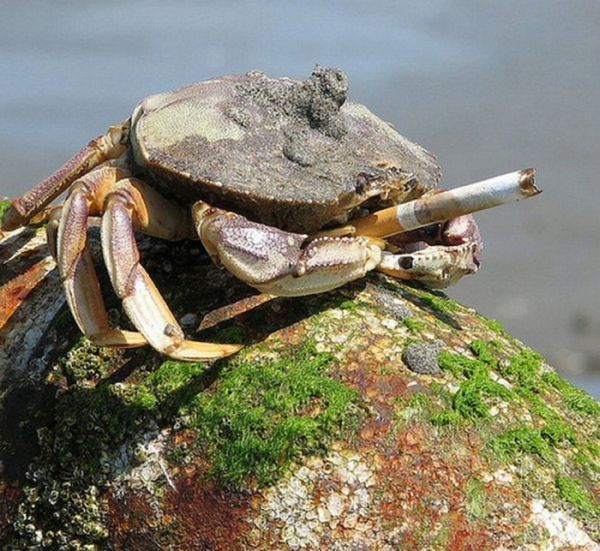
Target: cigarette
x: 445, y: 205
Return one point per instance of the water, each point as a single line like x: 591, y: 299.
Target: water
x: 489, y: 87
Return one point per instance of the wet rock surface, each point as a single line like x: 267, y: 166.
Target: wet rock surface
x: 319, y: 434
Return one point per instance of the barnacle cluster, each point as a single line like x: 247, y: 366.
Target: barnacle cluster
x: 61, y: 504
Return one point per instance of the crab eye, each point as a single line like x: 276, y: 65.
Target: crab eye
x: 362, y: 180
x: 361, y: 185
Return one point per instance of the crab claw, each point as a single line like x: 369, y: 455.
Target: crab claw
x: 278, y: 262
x: 438, y: 255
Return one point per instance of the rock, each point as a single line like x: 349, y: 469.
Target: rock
x: 422, y: 358
x: 315, y: 436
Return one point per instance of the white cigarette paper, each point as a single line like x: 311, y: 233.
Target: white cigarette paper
x: 445, y: 205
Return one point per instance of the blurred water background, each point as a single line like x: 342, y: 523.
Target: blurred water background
x: 488, y: 86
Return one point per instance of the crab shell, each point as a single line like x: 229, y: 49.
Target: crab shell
x: 291, y: 154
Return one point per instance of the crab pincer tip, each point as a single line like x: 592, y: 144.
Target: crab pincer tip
x: 194, y: 351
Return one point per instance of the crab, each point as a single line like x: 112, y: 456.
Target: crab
x: 268, y: 173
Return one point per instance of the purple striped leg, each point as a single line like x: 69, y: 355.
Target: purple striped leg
x: 67, y: 238
x: 133, y: 204
x: 101, y: 149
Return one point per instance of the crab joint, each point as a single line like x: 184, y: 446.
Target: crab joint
x: 103, y: 148
x: 445, y: 205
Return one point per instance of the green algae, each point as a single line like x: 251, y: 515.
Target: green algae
x: 495, y: 326
x: 349, y: 305
x: 537, y: 406
x: 234, y: 334
x: 172, y: 382
x: 548, y: 439
x: 436, y: 300
x: 523, y: 440
x: 419, y: 400
x: 483, y: 351
x: 477, y: 499
x: 433, y: 407
x: 226, y: 332
x: 459, y: 365
x: 261, y: 416
x: 574, y: 492
x: 414, y: 326
x: 4, y: 205
x: 546, y: 435
x: 575, y: 398
x: 441, y: 391
x: 539, y: 443
x: 445, y: 419
x: 471, y: 400
x: 443, y: 408
x: 439, y: 303
x: 524, y: 369
x: 589, y: 466
x: 558, y: 434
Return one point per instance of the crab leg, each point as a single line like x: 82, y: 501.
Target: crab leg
x: 448, y: 204
x: 52, y: 231
x: 67, y: 238
x: 103, y: 148
x: 133, y: 204
x: 278, y: 262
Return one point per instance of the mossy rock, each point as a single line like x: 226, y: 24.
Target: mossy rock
x: 315, y: 436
